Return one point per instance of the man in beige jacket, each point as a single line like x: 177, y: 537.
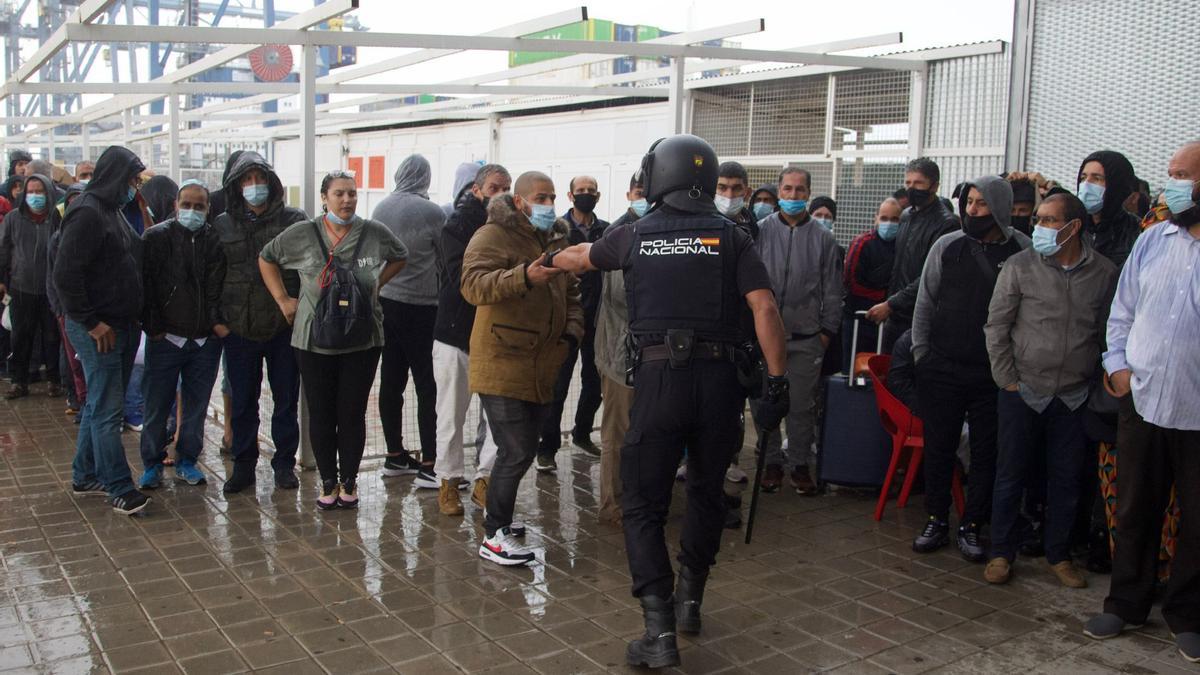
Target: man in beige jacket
x: 529, y: 317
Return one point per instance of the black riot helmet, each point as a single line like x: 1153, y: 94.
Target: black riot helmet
x: 682, y: 171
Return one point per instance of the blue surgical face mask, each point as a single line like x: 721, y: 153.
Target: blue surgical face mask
x: 1178, y: 195
x: 1045, y: 240
x: 542, y: 216
x: 793, y: 207
x: 640, y: 207
x: 37, y: 203
x: 333, y: 218
x: 1092, y: 196
x: 825, y: 223
x: 256, y: 195
x: 763, y: 209
x: 190, y: 218
x: 888, y: 229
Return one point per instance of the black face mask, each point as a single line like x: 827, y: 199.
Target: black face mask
x: 977, y: 227
x: 586, y: 203
x: 1021, y: 224
x: 918, y: 197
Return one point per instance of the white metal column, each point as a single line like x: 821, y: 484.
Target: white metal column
x: 173, y: 138
x: 916, y: 113
x: 308, y: 198
x: 85, y: 142
x: 1018, y: 87
x: 308, y: 128
x: 50, y: 147
x: 493, y: 132
x: 676, y: 98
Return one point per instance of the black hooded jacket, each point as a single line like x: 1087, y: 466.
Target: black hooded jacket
x: 51, y: 292
x: 919, y: 228
x: 456, y: 316
x: 98, y: 268
x: 1114, y: 234
x: 24, y: 242
x: 247, y: 307
x: 216, y: 199
x: 159, y: 194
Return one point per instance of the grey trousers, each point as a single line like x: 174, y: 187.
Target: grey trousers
x: 804, y: 377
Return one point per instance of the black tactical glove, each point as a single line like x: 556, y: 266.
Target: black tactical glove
x: 773, y: 406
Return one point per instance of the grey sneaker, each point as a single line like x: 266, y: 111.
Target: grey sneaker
x: 1105, y: 626
x: 1189, y: 646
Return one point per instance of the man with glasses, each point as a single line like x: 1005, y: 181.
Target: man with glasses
x: 1045, y: 333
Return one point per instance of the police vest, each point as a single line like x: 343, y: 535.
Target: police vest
x: 683, y: 275
x: 969, y: 273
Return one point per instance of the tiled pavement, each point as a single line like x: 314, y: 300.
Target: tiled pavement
x: 208, y: 584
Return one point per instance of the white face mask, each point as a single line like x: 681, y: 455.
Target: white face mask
x: 729, y: 206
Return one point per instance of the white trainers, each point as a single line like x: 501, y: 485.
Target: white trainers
x: 503, y: 549
x: 681, y: 473
x: 734, y: 474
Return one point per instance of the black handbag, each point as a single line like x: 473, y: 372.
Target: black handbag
x: 344, y: 317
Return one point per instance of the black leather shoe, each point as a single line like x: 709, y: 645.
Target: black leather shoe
x: 689, y: 593
x: 657, y: 648
x: 241, y: 478
x: 285, y: 479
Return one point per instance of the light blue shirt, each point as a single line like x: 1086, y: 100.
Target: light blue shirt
x: 1154, y: 327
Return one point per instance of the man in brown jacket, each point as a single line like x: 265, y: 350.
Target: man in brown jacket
x: 529, y: 317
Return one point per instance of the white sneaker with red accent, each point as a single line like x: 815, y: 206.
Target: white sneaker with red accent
x: 503, y: 549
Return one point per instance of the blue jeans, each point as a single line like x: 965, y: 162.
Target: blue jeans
x: 194, y: 370
x: 243, y: 365
x: 1060, y: 430
x: 99, y: 454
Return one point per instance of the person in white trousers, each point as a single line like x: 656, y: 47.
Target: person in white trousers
x: 453, y: 399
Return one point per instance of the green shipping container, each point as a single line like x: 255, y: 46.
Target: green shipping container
x: 590, y: 30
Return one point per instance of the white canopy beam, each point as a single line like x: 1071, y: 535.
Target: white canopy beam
x: 257, y: 36
x: 234, y: 88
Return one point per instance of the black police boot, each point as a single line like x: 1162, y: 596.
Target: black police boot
x: 657, y: 648
x: 733, y: 514
x: 689, y: 593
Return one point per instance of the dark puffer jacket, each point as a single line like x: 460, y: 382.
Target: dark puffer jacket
x: 182, y: 272
x: 247, y: 307
x: 98, y: 268
x: 456, y: 316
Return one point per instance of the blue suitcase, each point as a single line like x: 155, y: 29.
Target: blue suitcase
x: 855, y: 449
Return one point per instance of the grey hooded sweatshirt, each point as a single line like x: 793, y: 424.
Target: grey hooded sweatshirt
x: 997, y: 192
x: 464, y: 177
x: 417, y: 222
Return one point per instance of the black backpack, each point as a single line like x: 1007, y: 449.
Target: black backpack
x: 344, y: 317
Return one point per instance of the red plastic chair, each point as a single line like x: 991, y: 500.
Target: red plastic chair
x: 907, y: 432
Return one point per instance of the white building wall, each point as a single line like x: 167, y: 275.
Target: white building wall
x: 606, y: 143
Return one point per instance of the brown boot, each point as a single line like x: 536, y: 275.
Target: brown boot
x: 449, y: 502
x: 479, y: 492
x: 803, y: 482
x: 1069, y: 575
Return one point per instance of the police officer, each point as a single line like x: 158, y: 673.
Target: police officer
x: 687, y: 271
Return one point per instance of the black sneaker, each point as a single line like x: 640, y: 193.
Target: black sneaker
x: 130, y: 503
x: 546, y: 464
x: 88, y: 487
x: 429, y: 480
x: 935, y: 535
x: 585, y: 444
x: 239, y: 479
x: 285, y: 479
x: 968, y: 543
x: 402, y: 464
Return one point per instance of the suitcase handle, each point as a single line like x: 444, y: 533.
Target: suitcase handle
x: 852, y: 378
